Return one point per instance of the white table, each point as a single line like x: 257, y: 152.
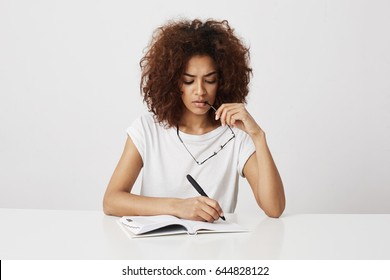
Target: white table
x: 53, y: 234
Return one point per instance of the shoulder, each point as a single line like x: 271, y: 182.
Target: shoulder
x: 146, y: 122
x: 146, y: 118
x: 244, y: 141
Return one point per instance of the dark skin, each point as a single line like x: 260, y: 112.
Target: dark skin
x: 199, y: 84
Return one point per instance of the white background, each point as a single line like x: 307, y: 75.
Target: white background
x: 69, y: 88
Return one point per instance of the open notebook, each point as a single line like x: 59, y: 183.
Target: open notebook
x: 145, y: 226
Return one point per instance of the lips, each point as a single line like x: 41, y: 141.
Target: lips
x: 199, y: 103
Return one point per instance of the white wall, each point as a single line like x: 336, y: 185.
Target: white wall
x: 69, y: 87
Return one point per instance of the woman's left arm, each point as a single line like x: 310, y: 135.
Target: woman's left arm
x: 260, y: 169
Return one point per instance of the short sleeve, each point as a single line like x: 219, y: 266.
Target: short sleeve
x: 136, y: 131
x: 247, y: 148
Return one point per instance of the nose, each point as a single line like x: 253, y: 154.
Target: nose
x: 200, y: 88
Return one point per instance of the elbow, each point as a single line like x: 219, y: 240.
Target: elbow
x: 274, y: 214
x: 273, y: 208
x: 276, y: 211
x: 107, y: 208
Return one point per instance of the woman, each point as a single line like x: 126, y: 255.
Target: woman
x: 195, y: 78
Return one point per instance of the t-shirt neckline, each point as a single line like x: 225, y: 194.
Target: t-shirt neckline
x: 201, y: 137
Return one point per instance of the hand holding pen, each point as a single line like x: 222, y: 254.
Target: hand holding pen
x: 199, y: 189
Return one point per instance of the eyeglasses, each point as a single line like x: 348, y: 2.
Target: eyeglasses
x: 216, y: 152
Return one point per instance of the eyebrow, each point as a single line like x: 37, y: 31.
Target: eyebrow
x: 207, y: 75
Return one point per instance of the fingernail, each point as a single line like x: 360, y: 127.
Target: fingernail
x: 216, y: 117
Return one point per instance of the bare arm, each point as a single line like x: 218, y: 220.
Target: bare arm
x: 264, y: 179
x: 260, y: 169
x: 118, y: 200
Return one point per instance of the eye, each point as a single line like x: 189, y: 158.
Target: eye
x: 211, y: 81
x: 188, y: 82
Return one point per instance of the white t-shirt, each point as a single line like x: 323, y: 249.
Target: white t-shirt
x: 166, y: 162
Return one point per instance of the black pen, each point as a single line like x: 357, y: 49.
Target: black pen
x: 199, y: 189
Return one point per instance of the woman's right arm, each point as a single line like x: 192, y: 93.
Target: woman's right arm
x: 118, y: 201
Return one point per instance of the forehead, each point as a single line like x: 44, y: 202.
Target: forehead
x: 200, y: 64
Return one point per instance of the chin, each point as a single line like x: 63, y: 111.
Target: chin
x: 197, y: 111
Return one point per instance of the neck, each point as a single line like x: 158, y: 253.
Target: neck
x: 196, y: 124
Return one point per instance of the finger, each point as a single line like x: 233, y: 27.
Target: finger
x: 208, y: 214
x: 206, y: 209
x: 225, y: 111
x: 219, y: 111
x: 229, y: 110
x: 221, y: 114
x: 202, y: 211
x: 233, y: 115
x: 215, y: 206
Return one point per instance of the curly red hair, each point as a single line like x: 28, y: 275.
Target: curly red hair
x: 171, y: 47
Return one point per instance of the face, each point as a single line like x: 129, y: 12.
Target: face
x: 199, y: 83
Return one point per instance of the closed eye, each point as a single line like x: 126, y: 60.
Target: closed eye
x: 210, y: 78
x: 207, y: 81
